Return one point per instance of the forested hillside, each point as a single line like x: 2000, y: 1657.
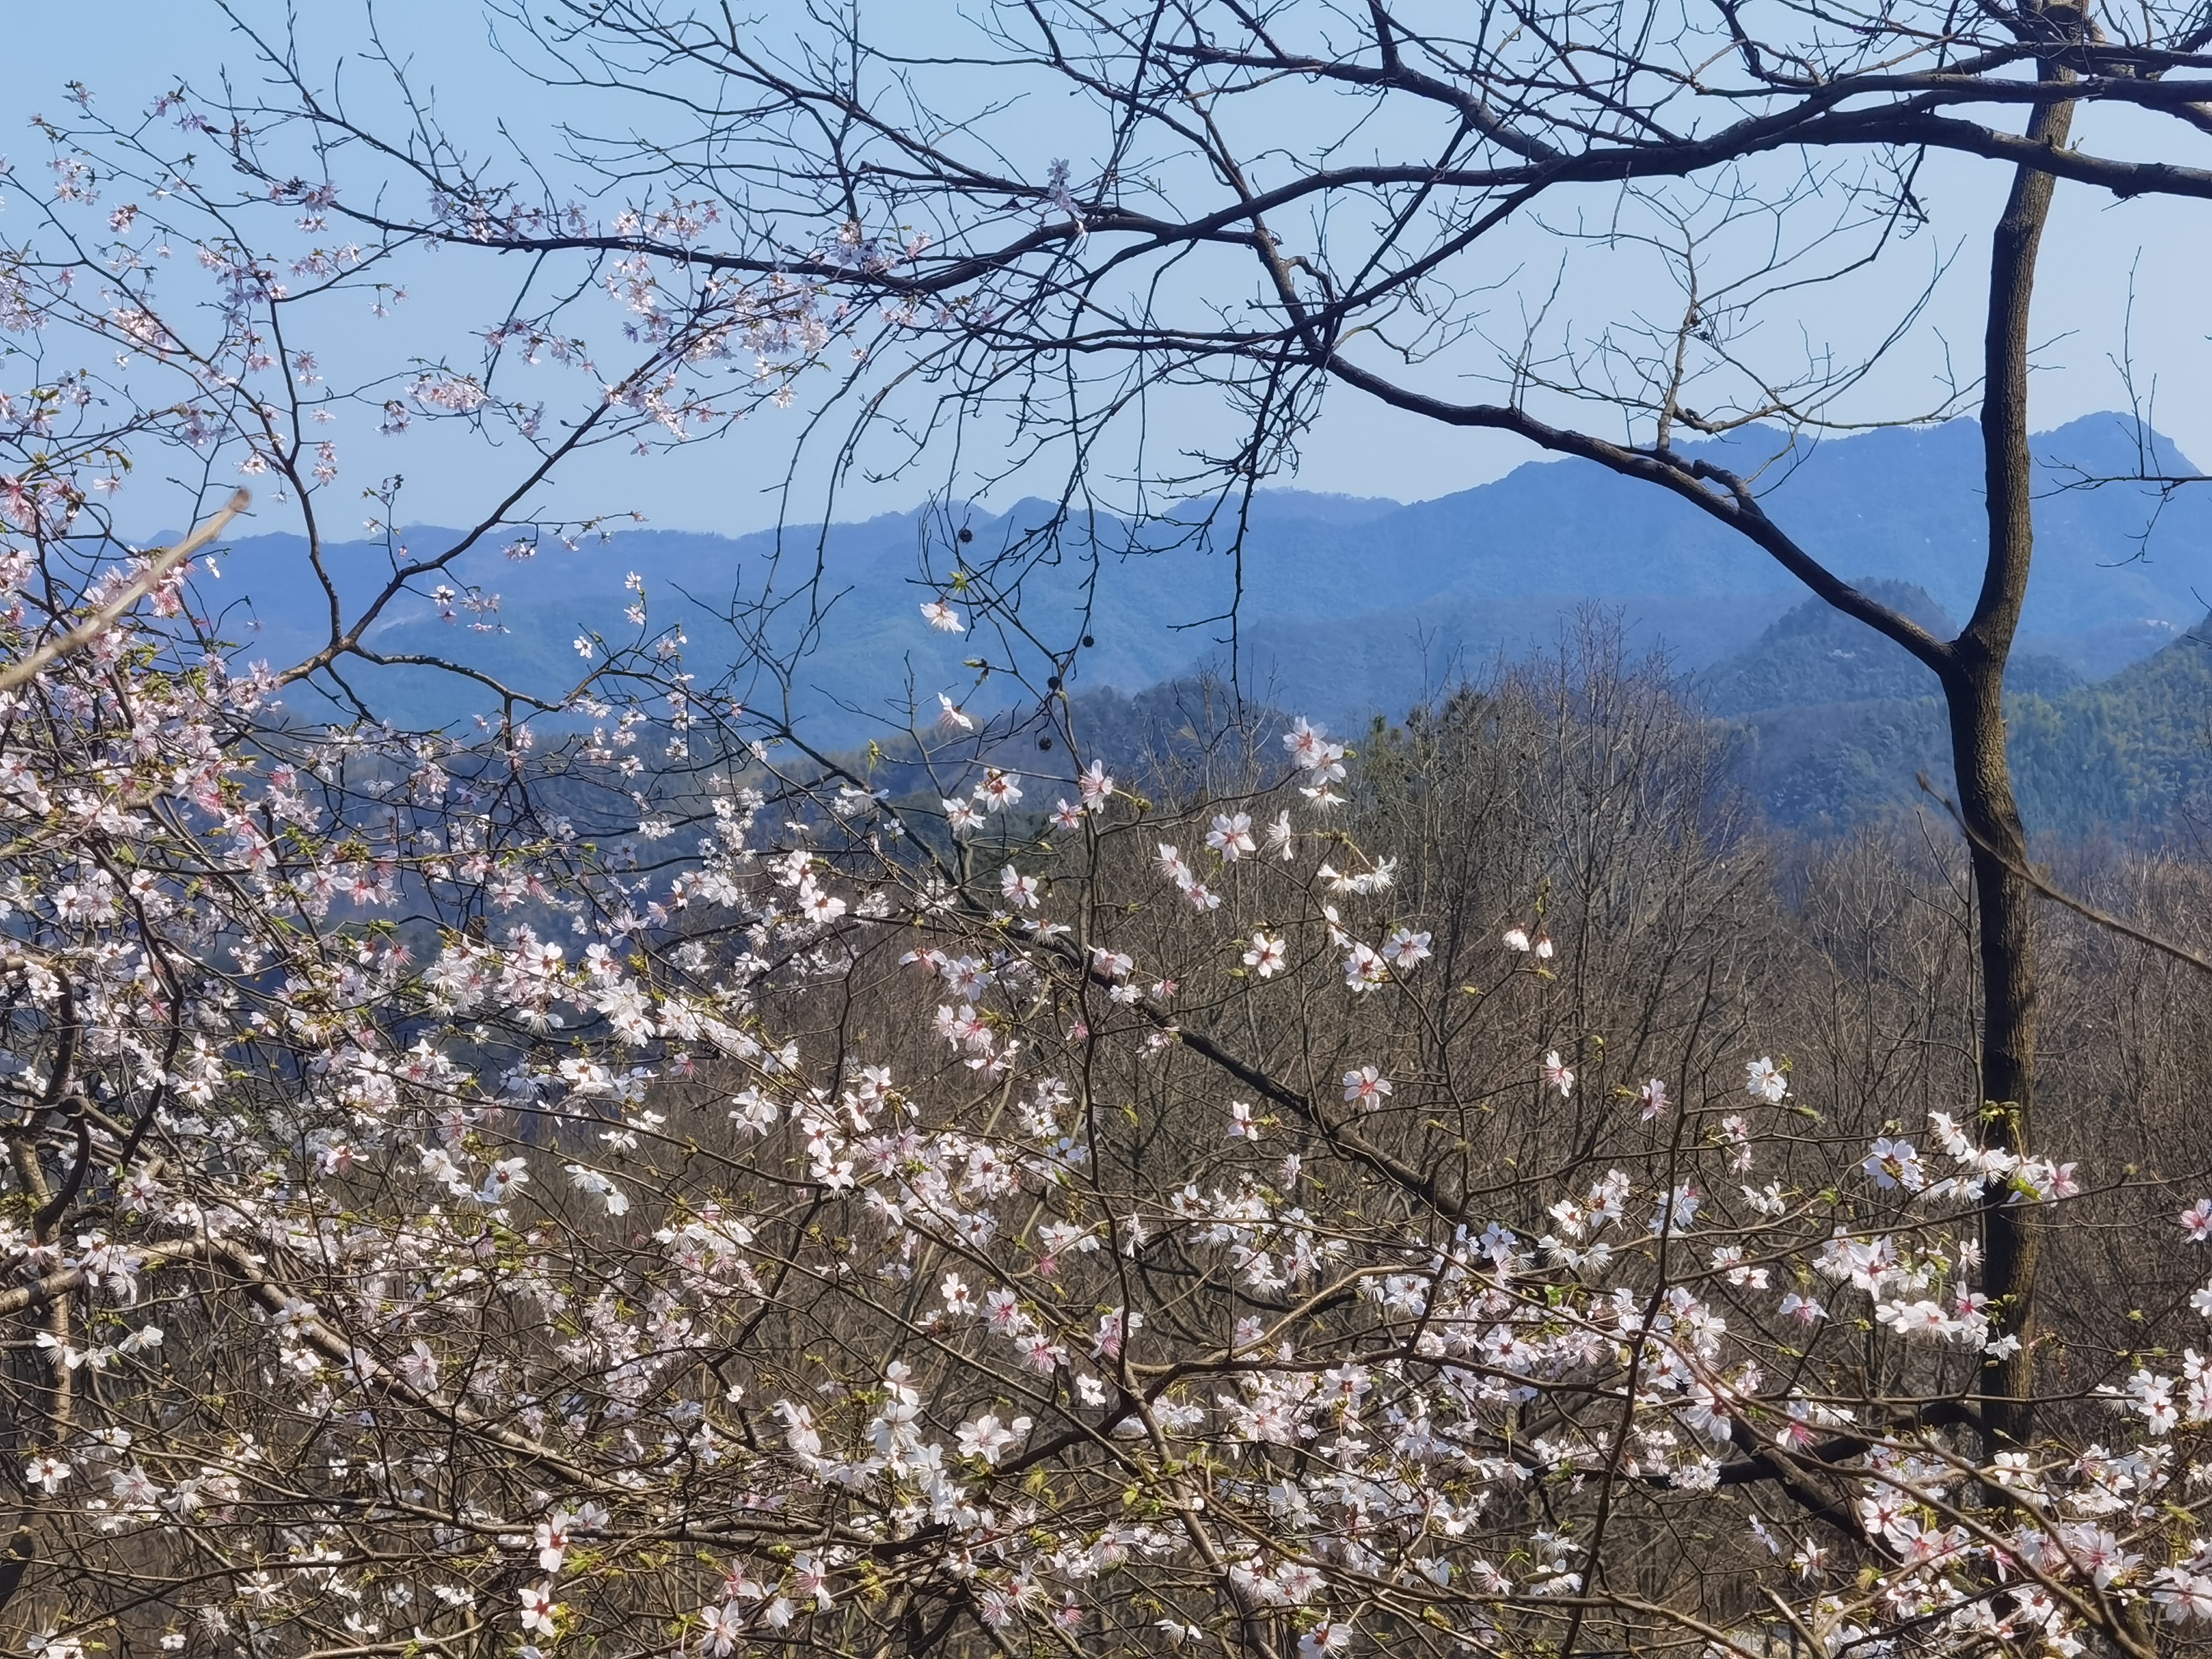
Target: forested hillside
x: 1837, y: 724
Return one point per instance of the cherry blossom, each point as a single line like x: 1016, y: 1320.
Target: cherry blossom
x: 1266, y: 955
x: 456, y: 1167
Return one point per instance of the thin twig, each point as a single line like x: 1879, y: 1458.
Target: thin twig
x: 2179, y: 952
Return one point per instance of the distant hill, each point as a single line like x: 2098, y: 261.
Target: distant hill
x: 1816, y: 654
x: 2127, y: 750
x: 1836, y: 723
x: 1348, y: 606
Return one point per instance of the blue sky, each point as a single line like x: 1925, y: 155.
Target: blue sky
x: 143, y: 46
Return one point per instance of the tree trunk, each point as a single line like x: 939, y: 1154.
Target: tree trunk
x: 2007, y: 944
x: 1974, y: 692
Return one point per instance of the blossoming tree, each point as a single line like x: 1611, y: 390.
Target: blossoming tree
x: 480, y: 1194
x: 1462, y: 222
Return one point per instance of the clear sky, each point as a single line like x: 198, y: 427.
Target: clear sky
x: 138, y: 47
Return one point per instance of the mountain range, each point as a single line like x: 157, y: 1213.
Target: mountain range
x: 1346, y: 606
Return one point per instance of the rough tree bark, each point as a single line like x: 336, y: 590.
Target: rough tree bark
x: 1973, y: 688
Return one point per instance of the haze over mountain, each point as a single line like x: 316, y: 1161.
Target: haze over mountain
x: 1347, y: 606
